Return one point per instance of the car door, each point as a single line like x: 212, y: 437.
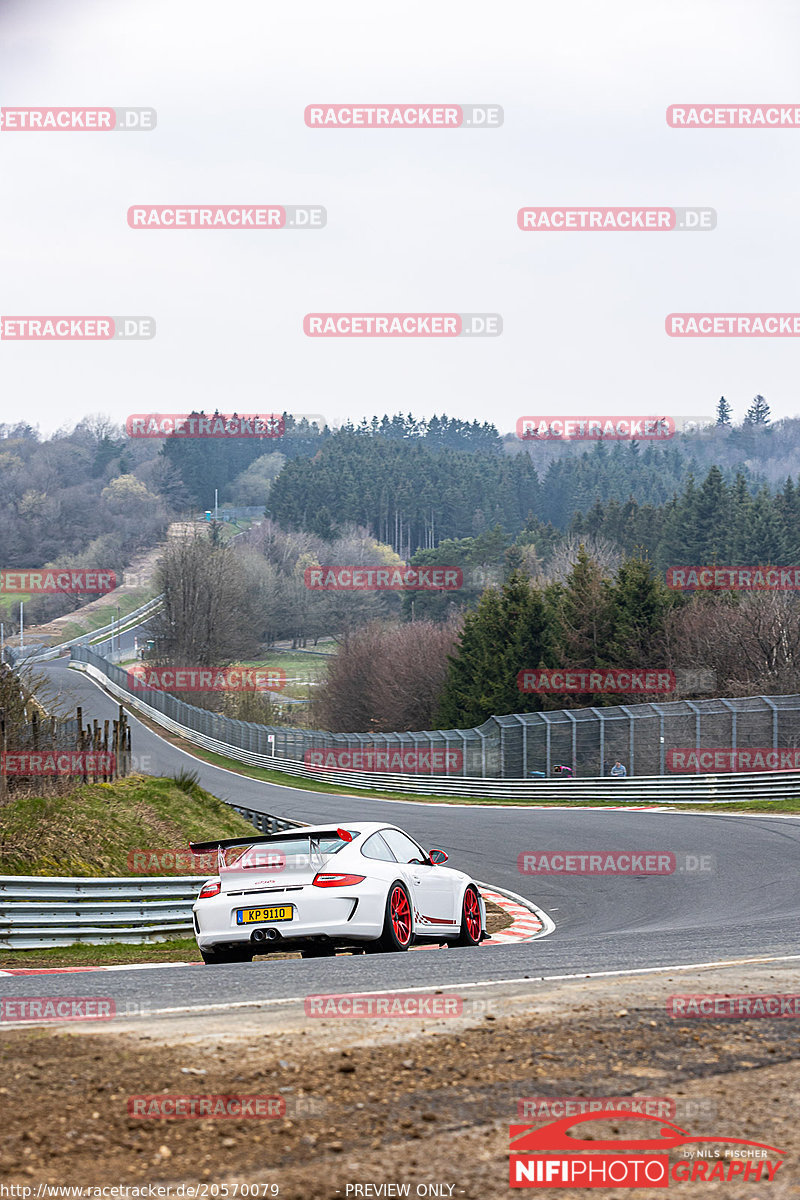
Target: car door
x: 433, y: 888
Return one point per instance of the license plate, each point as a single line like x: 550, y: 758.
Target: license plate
x: 255, y: 916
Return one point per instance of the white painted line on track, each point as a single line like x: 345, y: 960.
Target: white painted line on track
x: 482, y: 983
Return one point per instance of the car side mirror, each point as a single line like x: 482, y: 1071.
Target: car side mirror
x: 437, y: 857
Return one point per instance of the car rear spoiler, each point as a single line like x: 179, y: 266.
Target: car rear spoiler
x: 285, y: 835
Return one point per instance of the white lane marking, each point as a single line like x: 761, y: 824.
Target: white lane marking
x: 25, y: 972
x: 483, y: 983
x: 443, y: 803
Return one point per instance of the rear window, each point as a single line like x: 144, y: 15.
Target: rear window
x: 296, y: 851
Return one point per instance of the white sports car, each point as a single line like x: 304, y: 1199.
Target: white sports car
x: 321, y: 888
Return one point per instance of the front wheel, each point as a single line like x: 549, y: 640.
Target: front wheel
x: 397, y: 920
x: 226, y: 954
x: 470, y: 934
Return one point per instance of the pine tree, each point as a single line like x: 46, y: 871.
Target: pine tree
x: 504, y: 635
x: 678, y: 544
x: 640, y: 603
x: 740, y: 518
x: 582, y: 616
x: 758, y: 412
x: 712, y: 518
x: 724, y: 412
x: 788, y: 507
x: 764, y: 534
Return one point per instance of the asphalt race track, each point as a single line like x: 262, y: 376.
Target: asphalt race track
x: 748, y: 907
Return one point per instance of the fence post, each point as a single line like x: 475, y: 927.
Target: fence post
x: 767, y: 700
x: 574, y: 721
x: 660, y: 712
x: 697, y: 730
x: 601, y: 719
x: 630, y: 717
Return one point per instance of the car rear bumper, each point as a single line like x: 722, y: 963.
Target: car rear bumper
x: 316, y: 914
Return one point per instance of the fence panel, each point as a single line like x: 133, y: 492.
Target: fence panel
x: 517, y: 746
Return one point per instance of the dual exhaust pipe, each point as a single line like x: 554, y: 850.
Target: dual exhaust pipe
x: 265, y: 935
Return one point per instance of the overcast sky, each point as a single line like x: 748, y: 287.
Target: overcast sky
x: 418, y: 220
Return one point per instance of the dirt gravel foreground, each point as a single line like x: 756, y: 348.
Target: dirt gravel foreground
x: 397, y: 1101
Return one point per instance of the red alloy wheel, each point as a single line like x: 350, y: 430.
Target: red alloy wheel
x: 400, y: 911
x: 472, y: 913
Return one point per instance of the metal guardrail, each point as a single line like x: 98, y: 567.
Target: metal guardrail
x: 19, y: 658
x: 265, y: 822
x: 38, y: 911
x: 653, y: 789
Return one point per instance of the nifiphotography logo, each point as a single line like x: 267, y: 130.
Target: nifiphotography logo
x: 551, y: 1156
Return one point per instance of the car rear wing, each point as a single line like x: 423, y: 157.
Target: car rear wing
x: 285, y: 835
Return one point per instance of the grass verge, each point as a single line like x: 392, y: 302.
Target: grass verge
x: 92, y: 830
x: 115, y: 953
x: 90, y: 621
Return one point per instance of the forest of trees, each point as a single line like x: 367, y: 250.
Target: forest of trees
x: 592, y: 618
x: 429, y: 491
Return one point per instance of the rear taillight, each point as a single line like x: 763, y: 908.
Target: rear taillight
x: 329, y: 879
x: 212, y: 888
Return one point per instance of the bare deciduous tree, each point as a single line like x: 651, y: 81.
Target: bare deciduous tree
x: 386, y: 678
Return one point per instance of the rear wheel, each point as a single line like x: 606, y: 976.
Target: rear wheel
x: 470, y: 934
x: 226, y: 954
x: 397, y: 920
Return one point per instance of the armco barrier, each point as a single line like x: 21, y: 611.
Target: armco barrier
x: 42, y: 910
x: 38, y: 911
x: 657, y: 789
x: 19, y: 658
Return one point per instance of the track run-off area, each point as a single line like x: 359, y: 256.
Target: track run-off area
x: 741, y: 912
